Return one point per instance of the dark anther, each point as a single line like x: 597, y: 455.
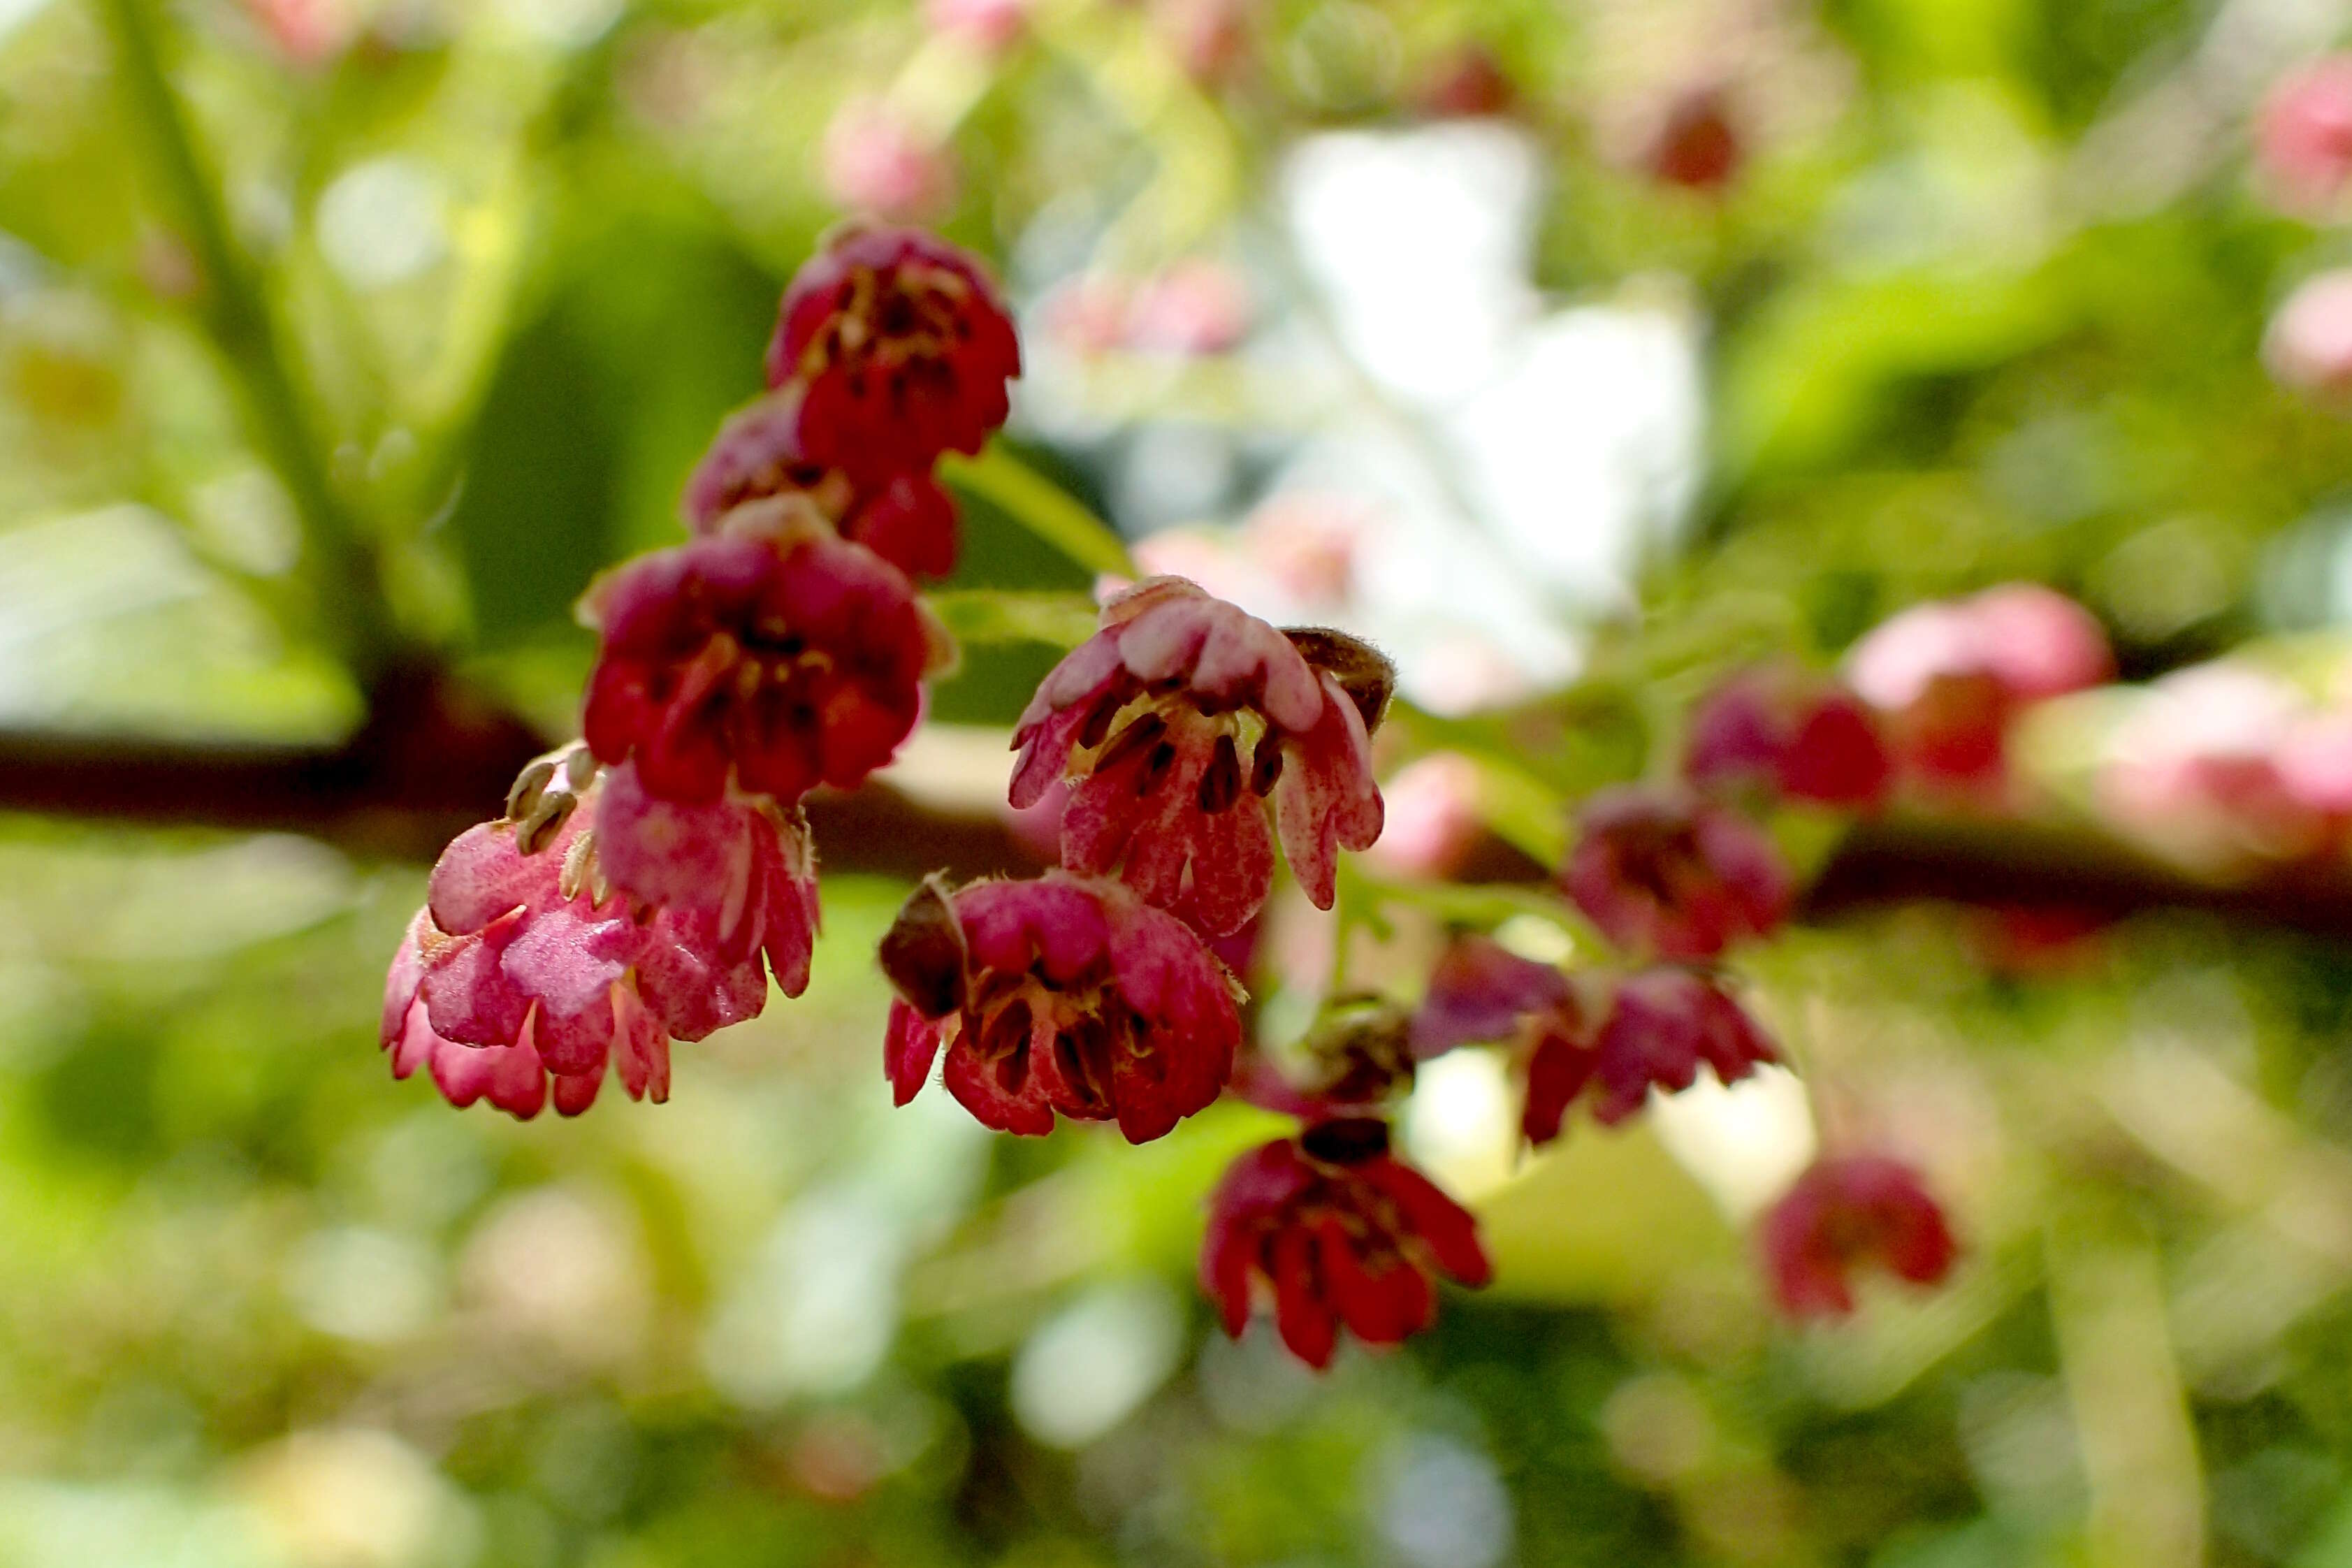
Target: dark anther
x: 1348, y: 1141
x: 1221, y: 784
x: 1144, y: 732
x: 1266, y: 764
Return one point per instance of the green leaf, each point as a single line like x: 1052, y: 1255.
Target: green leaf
x: 986, y: 615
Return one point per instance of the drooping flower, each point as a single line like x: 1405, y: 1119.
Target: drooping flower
x: 1359, y: 1054
x: 743, y: 868
x: 1951, y: 677
x: 1668, y: 875
x: 1652, y: 1030
x: 1846, y: 1212
x: 1175, y: 720
x: 774, y: 654
x: 523, y: 977
x: 903, y: 348
x: 1063, y: 996
x: 1797, y: 735
x: 2304, y: 138
x: 1336, y: 1232
x: 908, y: 520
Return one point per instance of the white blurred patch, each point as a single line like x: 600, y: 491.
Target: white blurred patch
x: 384, y: 221
x: 356, y: 1498
x: 1088, y: 1367
x: 560, y: 24
x: 1462, y: 1123
x: 817, y: 1311
x: 1744, y: 1144
x: 1418, y: 242
x: 1439, y: 1503
x: 359, y: 1283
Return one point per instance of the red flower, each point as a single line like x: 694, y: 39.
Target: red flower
x: 1667, y: 874
x: 1653, y: 1032
x: 522, y: 977
x: 742, y: 869
x: 908, y: 520
x: 1795, y: 733
x: 1336, y: 1231
x: 2304, y: 137
x: 1697, y: 147
x: 1951, y: 677
x: 774, y: 654
x: 1060, y: 995
x: 1847, y: 1211
x: 1175, y: 720
x: 903, y: 348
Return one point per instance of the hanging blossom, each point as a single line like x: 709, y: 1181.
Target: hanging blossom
x: 772, y: 655
x: 1334, y: 1231
x: 1665, y: 873
x: 901, y: 346
x: 1609, y: 1045
x: 1175, y: 720
x: 1950, y: 678
x: 1065, y: 995
x: 526, y: 975
x: 908, y: 519
x: 1843, y: 1213
x: 1785, y: 729
x: 1360, y: 1054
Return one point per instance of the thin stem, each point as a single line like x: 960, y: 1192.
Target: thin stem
x: 1042, y: 507
x: 238, y: 318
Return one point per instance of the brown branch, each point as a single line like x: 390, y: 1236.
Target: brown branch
x: 436, y: 758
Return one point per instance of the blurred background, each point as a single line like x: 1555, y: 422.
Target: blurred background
x: 1574, y: 350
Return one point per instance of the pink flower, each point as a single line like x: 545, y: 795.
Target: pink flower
x: 1063, y: 995
x: 903, y: 348
x: 742, y: 869
x: 1334, y: 1230
x: 2200, y: 768
x: 1654, y: 1031
x: 908, y: 520
x: 1952, y: 675
x: 1794, y: 733
x: 521, y: 977
x: 1433, y: 815
x: 1665, y: 874
x: 780, y: 657
x: 1844, y: 1211
x: 2303, y: 139
x: 1195, y: 307
x: 2309, y: 346
x: 1175, y: 720
x: 874, y: 161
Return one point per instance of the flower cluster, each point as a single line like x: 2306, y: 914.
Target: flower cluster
x: 643, y: 885
x: 1191, y: 739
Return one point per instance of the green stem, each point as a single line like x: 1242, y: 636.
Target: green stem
x: 238, y: 318
x: 1042, y: 507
